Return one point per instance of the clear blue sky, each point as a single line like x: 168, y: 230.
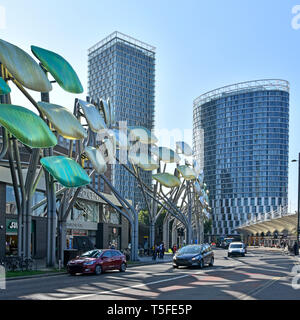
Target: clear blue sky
x: 201, y: 45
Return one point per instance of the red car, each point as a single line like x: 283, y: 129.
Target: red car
x: 97, y: 261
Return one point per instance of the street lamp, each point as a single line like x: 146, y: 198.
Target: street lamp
x: 298, y: 213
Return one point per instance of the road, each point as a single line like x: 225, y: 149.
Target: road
x: 262, y: 274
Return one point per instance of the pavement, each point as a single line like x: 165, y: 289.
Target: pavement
x: 262, y: 274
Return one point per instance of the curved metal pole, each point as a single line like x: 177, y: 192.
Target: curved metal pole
x: 165, y: 207
x: 134, y: 244
x: 27, y: 95
x: 149, y: 192
x: 4, y: 143
x: 17, y: 197
x: 129, y: 218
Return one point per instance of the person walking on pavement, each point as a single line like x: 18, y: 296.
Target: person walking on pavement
x: 160, y: 251
x: 154, y: 253
x: 295, y: 248
x: 163, y: 249
x: 174, y: 248
x: 146, y: 248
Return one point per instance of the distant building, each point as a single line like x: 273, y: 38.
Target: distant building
x: 241, y: 140
x: 122, y: 69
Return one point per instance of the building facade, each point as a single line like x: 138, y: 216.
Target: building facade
x: 241, y: 140
x: 123, y: 69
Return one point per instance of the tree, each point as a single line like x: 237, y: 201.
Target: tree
x: 144, y: 217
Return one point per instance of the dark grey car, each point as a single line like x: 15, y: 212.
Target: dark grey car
x: 194, y: 255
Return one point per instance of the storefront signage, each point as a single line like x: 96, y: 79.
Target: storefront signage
x: 84, y: 225
x: 88, y: 195
x: 12, y: 226
x: 79, y: 233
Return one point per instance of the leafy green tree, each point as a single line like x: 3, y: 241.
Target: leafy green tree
x: 144, y: 217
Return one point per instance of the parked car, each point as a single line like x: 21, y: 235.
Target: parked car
x: 97, y: 261
x: 237, y: 249
x: 194, y: 255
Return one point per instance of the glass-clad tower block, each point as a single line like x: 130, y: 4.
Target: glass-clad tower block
x: 122, y: 69
x: 241, y: 140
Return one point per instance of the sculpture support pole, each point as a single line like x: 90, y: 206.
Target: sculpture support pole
x: 17, y: 197
x: 166, y: 224
x: 8, y: 148
x: 129, y: 218
x: 152, y: 219
x: 62, y: 226
x: 23, y: 194
x: 51, y: 204
x: 34, y: 158
x: 189, y: 226
x: 163, y: 197
x: 134, y: 231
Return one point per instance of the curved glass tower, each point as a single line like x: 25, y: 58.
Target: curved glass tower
x: 241, y: 139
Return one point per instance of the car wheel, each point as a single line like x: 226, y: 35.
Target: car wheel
x: 123, y: 267
x: 201, y: 264
x: 98, y: 270
x: 228, y: 255
x: 211, y: 262
x: 175, y: 267
x: 243, y: 255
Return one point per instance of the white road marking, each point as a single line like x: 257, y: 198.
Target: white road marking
x: 255, y: 291
x: 127, y: 288
x: 145, y: 284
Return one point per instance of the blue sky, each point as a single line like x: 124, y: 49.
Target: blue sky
x: 201, y: 45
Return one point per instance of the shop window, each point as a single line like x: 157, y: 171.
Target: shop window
x: 11, y: 207
x: 110, y: 215
x: 85, y: 211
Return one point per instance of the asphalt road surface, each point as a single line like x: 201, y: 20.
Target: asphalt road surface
x: 262, y: 274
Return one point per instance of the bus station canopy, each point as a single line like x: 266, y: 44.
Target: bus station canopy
x: 278, y: 221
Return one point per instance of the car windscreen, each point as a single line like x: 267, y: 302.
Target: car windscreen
x: 91, y: 254
x: 236, y: 246
x: 190, y: 250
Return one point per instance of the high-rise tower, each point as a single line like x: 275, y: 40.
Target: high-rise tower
x: 241, y: 140
x: 122, y: 69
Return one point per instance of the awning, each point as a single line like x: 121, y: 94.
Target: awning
x: 271, y: 223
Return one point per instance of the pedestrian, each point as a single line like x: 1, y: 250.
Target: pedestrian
x: 146, y: 247
x: 295, y: 248
x: 160, y: 251
x: 174, y: 248
x: 157, y: 251
x: 154, y: 253
x: 163, y: 249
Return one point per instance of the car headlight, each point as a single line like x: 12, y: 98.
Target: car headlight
x: 89, y: 263
x: 196, y: 258
x: 175, y: 257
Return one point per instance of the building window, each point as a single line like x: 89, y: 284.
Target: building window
x: 85, y: 211
x: 110, y: 215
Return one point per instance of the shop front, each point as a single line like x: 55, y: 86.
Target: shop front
x: 81, y: 234
x: 82, y: 225
x: 114, y: 238
x: 11, y: 237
